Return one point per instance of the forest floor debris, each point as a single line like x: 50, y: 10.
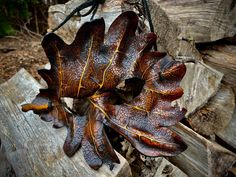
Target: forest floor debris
x: 20, y: 51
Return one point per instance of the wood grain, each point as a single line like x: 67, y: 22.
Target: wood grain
x: 32, y: 146
x: 166, y: 169
x: 216, y: 114
x: 203, y: 158
x: 228, y: 134
x: 168, y: 34
x: 201, y: 21
x: 223, y: 58
x: 200, y: 83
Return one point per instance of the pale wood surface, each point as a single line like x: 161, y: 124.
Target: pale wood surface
x: 181, y: 24
x: 32, y: 146
x: 228, y: 134
x: 168, y: 34
x: 5, y: 167
x: 216, y: 113
x: 203, y: 158
x: 166, y: 169
x: 200, y: 83
x: 223, y: 58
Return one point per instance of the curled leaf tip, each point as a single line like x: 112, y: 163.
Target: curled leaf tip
x: 35, y: 107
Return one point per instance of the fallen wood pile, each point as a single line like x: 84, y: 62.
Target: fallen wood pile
x: 187, y: 30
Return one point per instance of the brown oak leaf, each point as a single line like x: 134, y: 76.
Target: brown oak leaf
x: 118, y: 83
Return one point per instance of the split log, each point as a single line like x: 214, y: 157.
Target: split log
x: 228, y: 134
x: 200, y: 83
x: 181, y: 24
x: 33, y: 147
x: 216, y: 114
x: 168, y: 34
x: 222, y: 58
x: 203, y: 158
x: 199, y: 20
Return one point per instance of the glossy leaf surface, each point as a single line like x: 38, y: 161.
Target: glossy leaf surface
x: 119, y: 83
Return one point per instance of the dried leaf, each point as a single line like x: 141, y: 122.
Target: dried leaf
x: 119, y: 83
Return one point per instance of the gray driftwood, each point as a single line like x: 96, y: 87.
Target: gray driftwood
x: 203, y: 158
x: 32, y: 146
x: 216, y: 114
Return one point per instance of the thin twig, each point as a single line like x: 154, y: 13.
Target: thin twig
x: 94, y: 11
x: 148, y: 15
x: 76, y: 10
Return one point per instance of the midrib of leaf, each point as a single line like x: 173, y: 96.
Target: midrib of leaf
x: 85, y: 66
x: 136, y: 107
x: 160, y: 112
x: 165, y: 92
x: 125, y: 127
x: 146, y: 69
x: 110, y: 62
x: 93, y: 138
x: 96, y: 106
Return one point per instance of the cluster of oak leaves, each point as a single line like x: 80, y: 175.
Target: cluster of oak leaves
x: 120, y: 83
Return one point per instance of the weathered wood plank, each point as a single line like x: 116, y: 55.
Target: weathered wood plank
x: 32, y: 146
x: 203, y: 158
x: 200, y: 83
x: 5, y: 167
x: 215, y: 114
